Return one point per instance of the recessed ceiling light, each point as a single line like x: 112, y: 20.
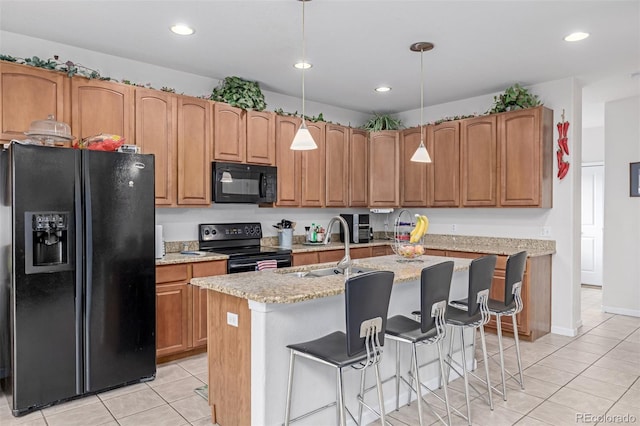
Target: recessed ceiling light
x: 577, y: 36
x: 302, y: 65
x: 382, y: 89
x: 182, y: 29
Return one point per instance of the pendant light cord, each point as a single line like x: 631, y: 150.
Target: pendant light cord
x: 304, y: 63
x: 421, y: 97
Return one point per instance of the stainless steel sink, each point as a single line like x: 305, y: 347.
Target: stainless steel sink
x: 327, y: 272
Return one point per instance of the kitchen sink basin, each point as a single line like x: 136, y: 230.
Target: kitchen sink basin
x: 327, y: 272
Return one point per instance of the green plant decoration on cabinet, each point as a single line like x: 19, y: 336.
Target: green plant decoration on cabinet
x: 240, y: 93
x: 382, y: 122
x: 514, y: 98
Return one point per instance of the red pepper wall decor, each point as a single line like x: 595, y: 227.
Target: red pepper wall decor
x: 563, y: 147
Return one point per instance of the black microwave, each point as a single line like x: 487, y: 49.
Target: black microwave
x: 243, y: 183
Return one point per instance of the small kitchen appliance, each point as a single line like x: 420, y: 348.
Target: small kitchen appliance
x: 241, y: 242
x: 243, y: 183
x: 358, y: 228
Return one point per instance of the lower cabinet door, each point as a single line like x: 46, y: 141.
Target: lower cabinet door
x: 172, y: 316
x: 199, y: 316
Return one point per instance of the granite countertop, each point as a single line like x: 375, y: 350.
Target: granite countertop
x: 280, y: 286
x: 201, y: 256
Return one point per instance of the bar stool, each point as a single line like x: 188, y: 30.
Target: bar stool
x: 511, y: 306
x: 366, y: 307
x: 435, y: 283
x: 472, y: 314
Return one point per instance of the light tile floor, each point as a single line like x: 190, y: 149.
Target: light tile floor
x: 596, y: 372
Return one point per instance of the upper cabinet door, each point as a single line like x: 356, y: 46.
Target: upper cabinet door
x: 288, y: 162
x: 194, y: 161
x: 313, y: 169
x: 384, y: 165
x: 479, y: 162
x: 413, y: 176
x: 261, y: 137
x: 28, y: 94
x: 358, y: 168
x: 230, y: 132
x: 444, y: 175
x: 337, y: 165
x: 156, y: 134
x: 525, y: 144
x: 102, y: 107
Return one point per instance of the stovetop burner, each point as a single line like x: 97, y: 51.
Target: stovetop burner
x: 247, y: 251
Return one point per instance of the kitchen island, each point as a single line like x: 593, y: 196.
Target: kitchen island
x: 253, y: 316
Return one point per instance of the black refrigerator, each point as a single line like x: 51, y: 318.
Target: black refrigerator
x: 78, y: 295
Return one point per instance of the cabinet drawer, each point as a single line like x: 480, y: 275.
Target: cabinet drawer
x: 300, y: 259
x: 360, y: 252
x: 172, y: 273
x: 330, y: 256
x: 432, y: 252
x: 207, y: 269
x: 381, y: 251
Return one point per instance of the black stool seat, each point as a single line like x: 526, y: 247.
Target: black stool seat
x: 455, y: 316
x: 331, y: 348
x: 497, y: 306
x: 408, y: 329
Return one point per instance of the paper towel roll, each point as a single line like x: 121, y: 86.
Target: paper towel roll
x: 159, y: 242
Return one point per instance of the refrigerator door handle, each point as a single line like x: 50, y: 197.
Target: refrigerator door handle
x: 88, y: 250
x: 79, y: 277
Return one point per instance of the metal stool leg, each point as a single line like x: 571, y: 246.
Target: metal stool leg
x: 340, y: 392
x: 515, y: 337
x: 398, y: 376
x: 444, y: 383
x: 287, y: 413
x: 416, y: 367
x: 411, y: 378
x: 362, y: 380
x: 380, y: 397
x: 465, y: 376
x: 486, y: 365
x: 504, y: 381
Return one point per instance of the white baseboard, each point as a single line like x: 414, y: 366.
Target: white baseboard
x: 564, y: 331
x: 621, y: 311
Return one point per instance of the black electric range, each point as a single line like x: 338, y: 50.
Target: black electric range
x: 241, y: 242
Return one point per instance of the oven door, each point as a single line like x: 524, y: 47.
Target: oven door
x: 235, y: 266
x: 243, y: 183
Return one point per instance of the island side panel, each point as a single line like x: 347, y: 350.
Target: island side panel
x: 229, y: 359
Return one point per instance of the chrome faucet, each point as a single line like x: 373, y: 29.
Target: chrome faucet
x: 345, y: 262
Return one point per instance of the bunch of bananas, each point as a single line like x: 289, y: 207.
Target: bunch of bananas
x: 422, y: 224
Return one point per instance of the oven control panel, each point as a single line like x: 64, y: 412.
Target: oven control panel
x: 229, y: 231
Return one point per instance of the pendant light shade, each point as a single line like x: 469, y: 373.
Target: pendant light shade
x: 303, y: 140
x: 421, y: 155
x: 226, y: 177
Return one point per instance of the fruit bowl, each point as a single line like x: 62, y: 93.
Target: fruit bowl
x: 410, y: 251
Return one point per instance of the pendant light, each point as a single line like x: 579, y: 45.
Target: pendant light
x: 226, y: 177
x: 303, y: 140
x: 421, y: 155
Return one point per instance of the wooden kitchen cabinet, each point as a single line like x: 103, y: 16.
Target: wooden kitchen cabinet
x: 28, y: 94
x: 172, y: 309
x: 444, y: 170
x: 229, y: 133
x: 386, y: 250
x: 478, y: 162
x: 181, y: 308
x: 102, y: 107
x: 525, y: 144
x: 337, y: 166
x: 384, y: 168
x: 261, y: 137
x: 156, y: 133
x: 306, y: 258
x: 194, y: 161
x: 288, y: 162
x: 358, y: 168
x: 413, y: 176
x: 313, y: 169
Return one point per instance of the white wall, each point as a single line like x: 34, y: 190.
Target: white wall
x: 18, y: 45
x: 593, y: 144
x: 621, y: 288
x: 563, y: 219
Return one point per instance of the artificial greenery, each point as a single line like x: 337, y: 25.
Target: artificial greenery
x: 312, y: 119
x: 514, y: 98
x: 382, y: 122
x: 455, y: 117
x: 240, y: 93
x: 54, y: 64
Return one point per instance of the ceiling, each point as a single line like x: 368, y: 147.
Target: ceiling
x: 355, y: 45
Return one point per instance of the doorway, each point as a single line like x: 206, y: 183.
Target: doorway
x: 592, y: 223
